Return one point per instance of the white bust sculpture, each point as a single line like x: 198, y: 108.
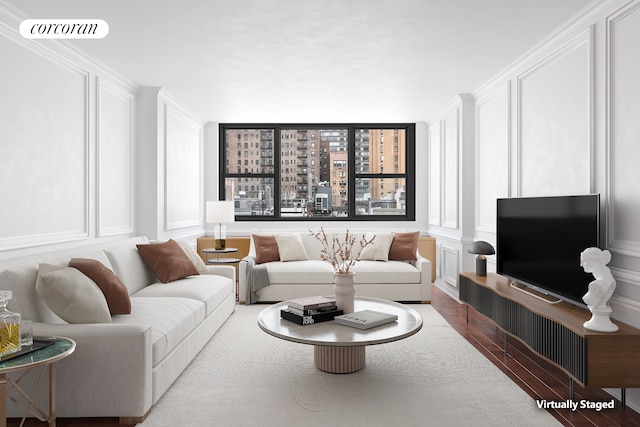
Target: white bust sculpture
x: 594, y: 261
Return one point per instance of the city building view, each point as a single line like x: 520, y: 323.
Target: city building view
x: 313, y: 171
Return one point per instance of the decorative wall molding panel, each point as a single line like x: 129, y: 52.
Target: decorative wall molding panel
x: 555, y: 121
x: 435, y: 174
x: 623, y: 130
x: 115, y: 152
x: 451, y: 159
x: 183, y: 170
x: 438, y: 265
x: 46, y: 147
x: 493, y: 154
x: 451, y: 266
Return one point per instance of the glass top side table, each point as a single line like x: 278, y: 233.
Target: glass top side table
x: 218, y: 252
x: 218, y: 260
x: 41, y: 358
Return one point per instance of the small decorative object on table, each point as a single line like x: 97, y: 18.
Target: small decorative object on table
x: 339, y: 253
x: 481, y: 249
x: 366, y: 319
x: 9, y: 327
x: 594, y: 260
x: 26, y: 333
x: 310, y: 310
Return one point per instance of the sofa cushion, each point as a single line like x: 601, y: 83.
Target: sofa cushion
x: 404, y: 246
x: 385, y: 272
x: 22, y: 282
x: 72, y: 295
x: 290, y: 247
x: 171, y: 320
x: 130, y: 267
x: 193, y: 256
x: 300, y: 272
x: 210, y: 290
x: 378, y: 250
x: 115, y: 292
x: 168, y: 261
x: 266, y: 249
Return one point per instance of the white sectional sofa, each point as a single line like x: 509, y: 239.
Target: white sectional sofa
x: 397, y: 280
x: 122, y: 368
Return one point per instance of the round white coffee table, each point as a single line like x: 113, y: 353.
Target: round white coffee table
x: 340, y: 349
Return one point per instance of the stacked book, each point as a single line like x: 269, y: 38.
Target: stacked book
x: 366, y: 319
x: 310, y: 310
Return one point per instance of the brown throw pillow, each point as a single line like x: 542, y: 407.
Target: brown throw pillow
x: 168, y: 260
x: 266, y: 249
x: 115, y: 292
x: 404, y: 246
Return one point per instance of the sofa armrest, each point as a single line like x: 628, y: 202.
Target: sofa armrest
x: 110, y: 371
x: 243, y: 265
x: 424, y: 265
x: 222, y: 270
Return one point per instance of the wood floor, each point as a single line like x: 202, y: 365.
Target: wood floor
x: 538, y: 378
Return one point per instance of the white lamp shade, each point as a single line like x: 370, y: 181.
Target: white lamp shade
x: 221, y: 211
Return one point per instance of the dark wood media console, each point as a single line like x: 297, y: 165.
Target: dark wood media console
x: 555, y: 332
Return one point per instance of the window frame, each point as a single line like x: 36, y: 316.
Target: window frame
x: 352, y: 177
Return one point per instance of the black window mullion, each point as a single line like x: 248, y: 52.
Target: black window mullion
x: 351, y: 168
x: 277, y: 180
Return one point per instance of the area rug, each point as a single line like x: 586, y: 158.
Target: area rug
x: 245, y: 377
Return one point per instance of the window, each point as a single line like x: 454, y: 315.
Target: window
x: 294, y: 170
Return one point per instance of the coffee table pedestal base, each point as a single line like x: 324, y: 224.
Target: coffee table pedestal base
x: 339, y: 360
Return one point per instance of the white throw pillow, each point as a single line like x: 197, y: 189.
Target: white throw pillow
x: 379, y: 249
x: 72, y: 295
x: 193, y: 256
x: 290, y: 247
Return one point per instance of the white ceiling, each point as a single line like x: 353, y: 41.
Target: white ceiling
x: 312, y: 60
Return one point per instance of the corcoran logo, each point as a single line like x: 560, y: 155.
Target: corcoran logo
x: 64, y: 28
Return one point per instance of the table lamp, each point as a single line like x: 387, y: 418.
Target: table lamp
x: 481, y: 249
x: 220, y: 212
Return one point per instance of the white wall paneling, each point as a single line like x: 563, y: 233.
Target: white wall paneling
x: 493, y: 130
x: 115, y: 141
x: 169, y: 167
x: 435, y: 173
x: 623, y: 102
x: 183, y: 170
x: 555, y: 120
x: 45, y: 166
x: 451, y: 153
x: 450, y: 266
x: 438, y: 265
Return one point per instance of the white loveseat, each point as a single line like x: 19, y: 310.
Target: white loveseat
x: 122, y: 368
x: 397, y: 280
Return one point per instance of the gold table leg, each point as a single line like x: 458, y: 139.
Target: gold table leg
x: 29, y: 401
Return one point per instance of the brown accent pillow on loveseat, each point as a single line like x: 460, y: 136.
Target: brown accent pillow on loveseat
x: 404, y: 246
x: 115, y: 292
x: 266, y: 248
x: 168, y: 261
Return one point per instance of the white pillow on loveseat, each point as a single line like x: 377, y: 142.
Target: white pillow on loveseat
x: 379, y: 249
x: 290, y: 247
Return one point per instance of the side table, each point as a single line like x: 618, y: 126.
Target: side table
x: 234, y: 259
x: 58, y: 348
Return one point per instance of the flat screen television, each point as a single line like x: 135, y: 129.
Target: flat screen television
x: 539, y: 241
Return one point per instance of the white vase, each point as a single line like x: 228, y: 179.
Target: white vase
x: 345, y: 291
